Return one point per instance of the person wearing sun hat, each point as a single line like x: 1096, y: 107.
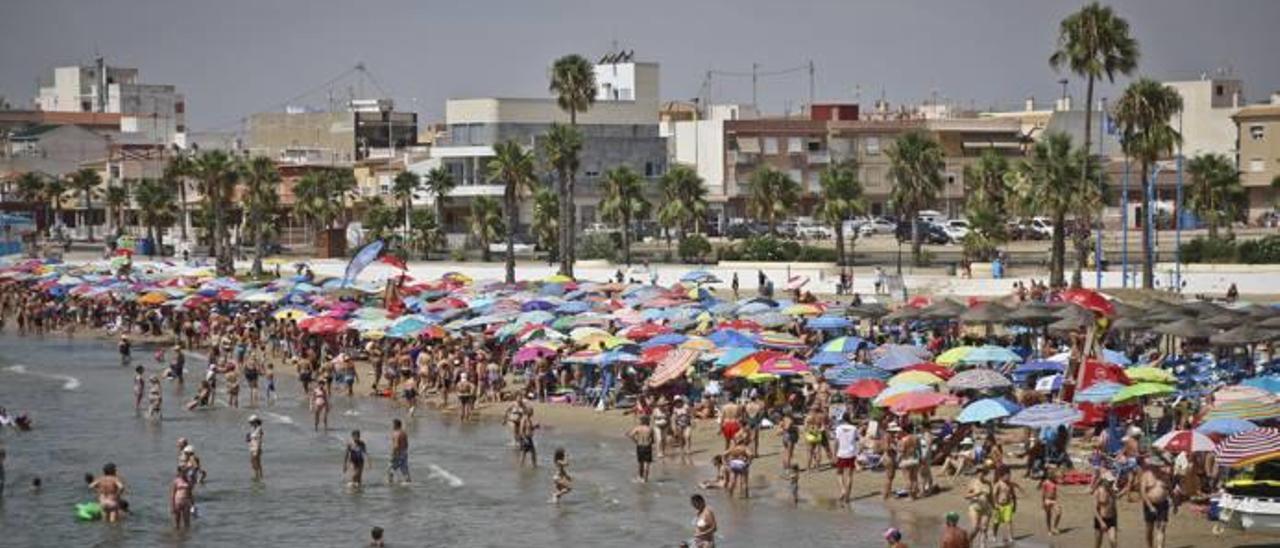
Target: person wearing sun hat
x: 893, y: 537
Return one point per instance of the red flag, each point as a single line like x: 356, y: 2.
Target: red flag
x: 394, y: 261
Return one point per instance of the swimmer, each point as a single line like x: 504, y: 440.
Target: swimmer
x: 399, y: 452
x: 109, y: 489
x: 355, y: 460
x: 181, y: 500
x: 562, y: 482
x: 320, y: 406
x: 254, y: 439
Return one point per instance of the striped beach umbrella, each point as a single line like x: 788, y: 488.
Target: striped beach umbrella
x: 978, y: 379
x: 1249, y: 447
x: 1225, y: 427
x: 1245, y: 409
x: 1178, y: 441
x: 1046, y: 415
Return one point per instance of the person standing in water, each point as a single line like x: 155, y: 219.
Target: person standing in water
x: 155, y: 398
x: 139, y: 388
x: 642, y: 435
x: 355, y: 460
x: 562, y: 483
x: 526, y: 430
x: 110, y: 489
x: 181, y: 500
x: 125, y: 348
x: 704, y: 523
x: 320, y: 406
x: 254, y: 439
x: 399, y: 452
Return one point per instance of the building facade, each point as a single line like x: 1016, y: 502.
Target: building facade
x: 366, y: 129
x: 1258, y: 132
x: 152, y: 112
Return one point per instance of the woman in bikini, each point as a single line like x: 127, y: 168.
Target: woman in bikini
x: 181, y: 500
x: 320, y: 405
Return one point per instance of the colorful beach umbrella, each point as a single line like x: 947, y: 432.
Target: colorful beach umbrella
x: 915, y: 377
x: 1259, y: 410
x: 1250, y: 447
x: 774, y: 339
x: 1178, y: 441
x: 978, y: 379
x: 848, y: 374
x: 1150, y: 374
x: 1143, y: 389
x: 1225, y: 426
x: 1269, y: 383
x: 784, y: 366
x: 828, y: 323
x: 1046, y: 415
x: 887, y: 396
x: 843, y: 345
x: 1099, y: 392
x: 802, y: 310
x: 917, y: 402
x: 866, y: 388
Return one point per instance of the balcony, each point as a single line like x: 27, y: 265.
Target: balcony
x: 820, y: 158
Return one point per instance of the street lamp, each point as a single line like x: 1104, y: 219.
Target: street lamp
x: 1097, y: 245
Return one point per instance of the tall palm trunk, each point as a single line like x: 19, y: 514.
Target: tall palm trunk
x: 626, y: 233
x: 1077, y: 276
x: 182, y: 195
x: 1081, y: 240
x: 259, y: 243
x: 513, y: 216
x: 840, y: 260
x: 1148, y: 268
x: 915, y: 240
x: 564, y: 234
x: 88, y: 213
x: 571, y: 214
x: 1058, y: 253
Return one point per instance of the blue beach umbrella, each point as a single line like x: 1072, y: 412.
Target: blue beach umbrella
x: 1037, y: 366
x: 1226, y: 426
x: 1101, y: 392
x: 672, y: 339
x: 848, y: 374
x: 732, y: 356
x: 829, y: 358
x: 1269, y: 383
x: 843, y: 345
x: 729, y: 338
x: 573, y: 307
x: 896, y: 359
x: 829, y: 322
x: 987, y: 409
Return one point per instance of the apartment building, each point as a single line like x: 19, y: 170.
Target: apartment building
x: 1258, y: 134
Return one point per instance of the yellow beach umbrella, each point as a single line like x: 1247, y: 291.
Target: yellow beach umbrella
x: 953, y: 356
x: 1150, y: 374
x: 915, y: 377
x: 802, y: 310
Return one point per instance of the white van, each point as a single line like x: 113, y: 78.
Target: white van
x: 930, y: 216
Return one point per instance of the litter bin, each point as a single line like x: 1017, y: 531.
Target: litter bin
x: 951, y: 269
x: 145, y: 247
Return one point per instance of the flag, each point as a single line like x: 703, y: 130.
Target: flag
x: 394, y: 261
x: 362, y: 259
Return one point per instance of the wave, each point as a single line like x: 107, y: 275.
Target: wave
x: 68, y: 382
x: 447, y: 476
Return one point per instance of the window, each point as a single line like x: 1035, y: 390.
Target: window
x: 1217, y: 90
x: 873, y: 145
x: 794, y: 146
x: 1256, y: 132
x: 648, y: 169
x: 796, y: 175
x: 1256, y: 165
x: 770, y: 145
x: 591, y: 172
x: 815, y: 145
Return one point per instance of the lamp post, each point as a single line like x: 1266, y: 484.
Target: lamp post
x: 1097, y: 244
x: 1177, y: 219
x: 1124, y: 226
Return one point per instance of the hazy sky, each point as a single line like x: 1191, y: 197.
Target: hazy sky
x: 234, y: 57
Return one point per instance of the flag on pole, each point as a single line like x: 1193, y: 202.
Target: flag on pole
x: 362, y: 259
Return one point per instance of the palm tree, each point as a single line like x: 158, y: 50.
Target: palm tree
x: 341, y: 184
x: 1143, y: 113
x: 841, y: 199
x: 771, y: 194
x: 310, y: 201
x: 915, y: 166
x: 425, y: 231
x: 986, y: 197
x: 378, y: 219
x: 486, y: 223
x: 117, y: 198
x: 561, y: 148
x: 86, y: 181
x: 54, y: 189
x: 1093, y: 43
x: 156, y: 207
x: 513, y: 166
x: 439, y: 182
x: 180, y: 167
x: 1215, y: 193
x: 1048, y: 182
x: 261, y: 200
x: 684, y: 201
x: 30, y: 187
x: 217, y: 174
x: 573, y: 80
x: 623, y: 202
x: 545, y: 225
x: 403, y: 187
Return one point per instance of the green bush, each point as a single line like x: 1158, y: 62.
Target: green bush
x: 597, y: 246
x: 694, y: 248
x: 811, y: 254
x: 457, y: 255
x: 1221, y: 250
x: 771, y: 249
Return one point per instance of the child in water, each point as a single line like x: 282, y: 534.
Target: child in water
x: 563, y: 483
x: 793, y: 480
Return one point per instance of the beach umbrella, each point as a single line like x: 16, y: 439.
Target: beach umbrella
x: 615, y: 356
x: 701, y: 344
x: 1244, y: 335
x: 154, y: 298
x: 771, y: 320
x: 1046, y: 415
x: 552, y: 279
x: 1253, y: 410
x: 1256, y: 311
x: 946, y: 309
x: 887, y: 396
x: 933, y: 369
x: 1186, y: 328
x: 751, y: 364
x: 654, y: 354
x: 829, y: 322
x: 1270, y: 323
x: 917, y: 402
x: 1089, y: 300
x: 897, y: 359
x: 1108, y: 356
x: 828, y: 358
x: 989, y: 353
x: 532, y: 353
x: 732, y: 356
x: 783, y: 366
x: 1242, y: 392
x: 1037, y: 366
x: 774, y: 339
x: 915, y: 377
x: 1140, y: 390
x: 729, y: 338
x: 978, y: 379
x: 536, y: 316
x: 903, y: 314
x: 1031, y: 313
x: 1251, y: 447
x: 323, y: 325
x: 1225, y: 426
x: 1224, y: 320
x: 1150, y: 374
x: 1129, y: 324
x: 866, y: 388
x: 843, y: 345
x: 953, y: 355
x: 1270, y: 383
x: 1178, y: 441
x: 573, y: 307
x: 987, y: 409
x: 699, y: 277
x: 291, y: 313
x: 1099, y: 392
x: 644, y: 331
x: 988, y: 312
x: 802, y: 310
x: 582, y: 334
x: 753, y: 308
x: 671, y: 339
x: 845, y: 375
x: 869, y: 310
x: 740, y: 325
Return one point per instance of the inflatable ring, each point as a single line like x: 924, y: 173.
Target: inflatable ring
x: 88, y: 511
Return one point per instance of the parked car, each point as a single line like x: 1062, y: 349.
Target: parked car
x: 814, y: 231
x: 1041, y: 226
x: 956, y: 229
x: 520, y: 245
x: 930, y: 216
x: 744, y: 230
x: 878, y: 225
x: 930, y: 233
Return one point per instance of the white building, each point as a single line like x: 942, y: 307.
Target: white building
x: 1207, y: 107
x: 150, y: 112
x: 700, y: 144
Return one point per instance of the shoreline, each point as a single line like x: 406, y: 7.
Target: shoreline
x: 920, y: 520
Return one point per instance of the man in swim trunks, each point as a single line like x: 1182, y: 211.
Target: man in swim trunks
x: 254, y: 439
x: 1104, y: 511
x: 1005, y: 494
x: 642, y: 436
x: 846, y: 454
x: 527, y: 448
x: 109, y: 489
x: 1154, y: 485
x: 754, y: 412
x: 730, y: 422
x: 399, y: 452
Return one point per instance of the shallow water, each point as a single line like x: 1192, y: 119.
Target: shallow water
x: 468, y: 489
